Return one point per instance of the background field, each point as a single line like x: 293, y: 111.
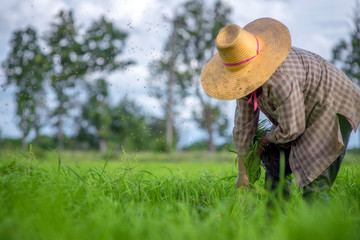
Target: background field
x: 78, y: 195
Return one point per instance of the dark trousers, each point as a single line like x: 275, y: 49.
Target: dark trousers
x: 321, y: 186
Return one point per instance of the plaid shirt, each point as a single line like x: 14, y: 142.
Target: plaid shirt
x: 302, y: 99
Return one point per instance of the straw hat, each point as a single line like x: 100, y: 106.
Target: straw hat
x: 246, y: 58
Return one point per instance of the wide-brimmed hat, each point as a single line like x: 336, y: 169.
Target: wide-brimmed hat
x: 246, y: 58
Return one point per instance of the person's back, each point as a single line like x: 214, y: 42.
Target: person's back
x: 306, y: 93
x: 322, y: 83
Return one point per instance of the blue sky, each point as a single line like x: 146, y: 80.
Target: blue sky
x: 314, y: 25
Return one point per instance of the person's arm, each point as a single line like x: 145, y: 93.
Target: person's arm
x: 245, y: 126
x: 288, y: 100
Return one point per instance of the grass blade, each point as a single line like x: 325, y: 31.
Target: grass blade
x: 73, y: 171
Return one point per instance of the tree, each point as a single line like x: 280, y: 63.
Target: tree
x: 347, y: 53
x: 129, y: 127
x: 196, y: 37
x: 157, y: 128
x: 169, y: 105
x: 175, y: 76
x: 25, y: 67
x: 167, y: 82
x: 95, y: 113
x: 206, y: 119
x: 103, y: 45
x: 68, y: 66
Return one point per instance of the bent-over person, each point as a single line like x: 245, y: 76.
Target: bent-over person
x: 313, y: 105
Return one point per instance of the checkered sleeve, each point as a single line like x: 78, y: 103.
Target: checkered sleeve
x: 245, y: 125
x: 288, y: 101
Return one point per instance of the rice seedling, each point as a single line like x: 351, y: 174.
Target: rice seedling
x: 252, y: 159
x: 124, y: 198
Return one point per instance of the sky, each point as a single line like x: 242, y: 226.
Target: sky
x: 314, y: 25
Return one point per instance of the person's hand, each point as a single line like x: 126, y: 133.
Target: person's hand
x: 242, y: 180
x: 260, y: 149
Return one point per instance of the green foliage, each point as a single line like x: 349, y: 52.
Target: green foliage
x: 252, y: 160
x: 128, y: 126
x: 212, y: 114
x: 135, y: 132
x: 45, y: 142
x: 102, y: 46
x: 67, y: 68
x: 75, y: 57
x: 157, y: 141
x: 200, y: 145
x: 103, y: 43
x: 122, y: 125
x: 196, y: 37
x: 347, y: 53
x: 25, y: 68
x: 96, y: 113
x: 69, y: 59
x: 10, y: 144
x: 191, y: 45
x: 203, y: 145
x: 65, y: 198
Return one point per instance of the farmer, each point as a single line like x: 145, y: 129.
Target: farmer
x: 312, y: 105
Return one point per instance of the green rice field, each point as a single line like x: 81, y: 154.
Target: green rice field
x: 87, y: 195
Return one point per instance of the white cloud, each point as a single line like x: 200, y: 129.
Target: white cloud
x: 35, y: 12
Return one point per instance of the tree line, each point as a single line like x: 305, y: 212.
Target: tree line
x: 64, y: 71
x: 53, y: 75
x: 62, y: 63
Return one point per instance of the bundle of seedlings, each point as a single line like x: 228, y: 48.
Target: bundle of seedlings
x: 252, y: 159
